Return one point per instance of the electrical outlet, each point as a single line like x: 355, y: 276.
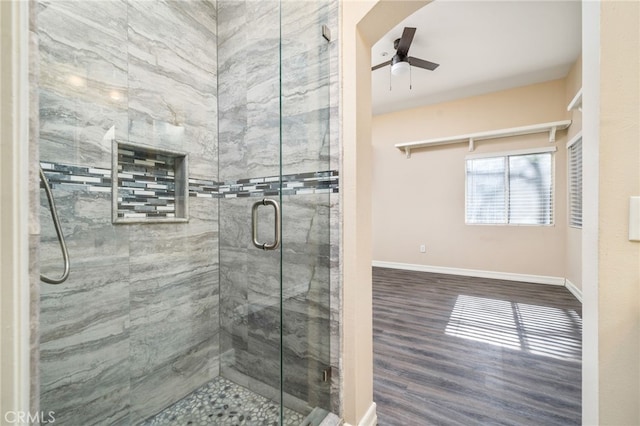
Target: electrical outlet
x: 423, y: 248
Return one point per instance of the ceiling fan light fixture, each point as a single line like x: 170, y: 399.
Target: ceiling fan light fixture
x: 400, y: 68
x: 401, y: 62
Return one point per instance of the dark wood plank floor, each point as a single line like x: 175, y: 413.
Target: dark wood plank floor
x: 452, y: 350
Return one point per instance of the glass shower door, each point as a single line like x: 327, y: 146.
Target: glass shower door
x: 275, y: 149
x: 307, y: 184
x: 248, y: 116
x: 157, y: 145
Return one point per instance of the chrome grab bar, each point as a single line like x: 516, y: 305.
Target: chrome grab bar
x: 56, y: 224
x: 254, y: 224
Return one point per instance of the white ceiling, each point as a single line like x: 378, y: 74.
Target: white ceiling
x: 481, y: 46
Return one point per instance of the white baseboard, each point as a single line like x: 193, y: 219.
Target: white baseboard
x: 537, y: 279
x: 370, y: 418
x: 573, y: 289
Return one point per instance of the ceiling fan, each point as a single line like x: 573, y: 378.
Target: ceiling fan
x: 401, y: 61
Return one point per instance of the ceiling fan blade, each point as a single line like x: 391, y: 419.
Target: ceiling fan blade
x: 421, y: 63
x: 384, y: 64
x: 405, y: 41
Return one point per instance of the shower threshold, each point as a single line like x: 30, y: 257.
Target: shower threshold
x: 222, y: 402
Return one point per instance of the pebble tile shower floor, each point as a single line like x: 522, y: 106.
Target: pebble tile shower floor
x: 222, y: 402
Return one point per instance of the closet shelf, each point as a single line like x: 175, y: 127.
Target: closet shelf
x: 576, y: 102
x: 472, y: 138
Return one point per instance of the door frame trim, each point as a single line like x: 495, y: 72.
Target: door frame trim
x: 14, y: 215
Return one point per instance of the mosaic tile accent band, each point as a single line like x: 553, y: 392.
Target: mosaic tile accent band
x: 77, y: 177
x: 296, y: 184
x: 99, y: 180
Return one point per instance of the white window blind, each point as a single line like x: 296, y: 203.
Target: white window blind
x: 510, y: 189
x: 575, y: 184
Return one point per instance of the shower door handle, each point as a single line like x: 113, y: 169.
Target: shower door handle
x: 254, y: 224
x: 58, y: 228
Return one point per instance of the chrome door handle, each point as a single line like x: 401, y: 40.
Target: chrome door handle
x: 254, y: 224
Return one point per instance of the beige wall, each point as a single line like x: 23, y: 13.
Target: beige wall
x: 611, y: 378
x: 619, y: 178
x: 573, y: 256
x: 610, y: 263
x: 357, y: 349
x: 362, y: 23
x: 421, y: 200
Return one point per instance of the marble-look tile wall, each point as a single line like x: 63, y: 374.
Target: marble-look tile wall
x: 250, y: 129
x: 248, y: 89
x: 83, y: 79
x: 135, y: 328
x: 250, y: 299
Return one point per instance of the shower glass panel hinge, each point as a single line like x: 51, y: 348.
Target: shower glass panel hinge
x: 326, y: 32
x: 326, y: 374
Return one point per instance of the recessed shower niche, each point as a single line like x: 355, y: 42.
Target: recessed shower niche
x: 151, y: 184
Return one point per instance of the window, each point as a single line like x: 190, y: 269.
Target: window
x: 575, y: 183
x: 510, y: 189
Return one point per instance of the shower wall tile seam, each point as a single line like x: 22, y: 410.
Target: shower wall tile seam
x: 96, y: 179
